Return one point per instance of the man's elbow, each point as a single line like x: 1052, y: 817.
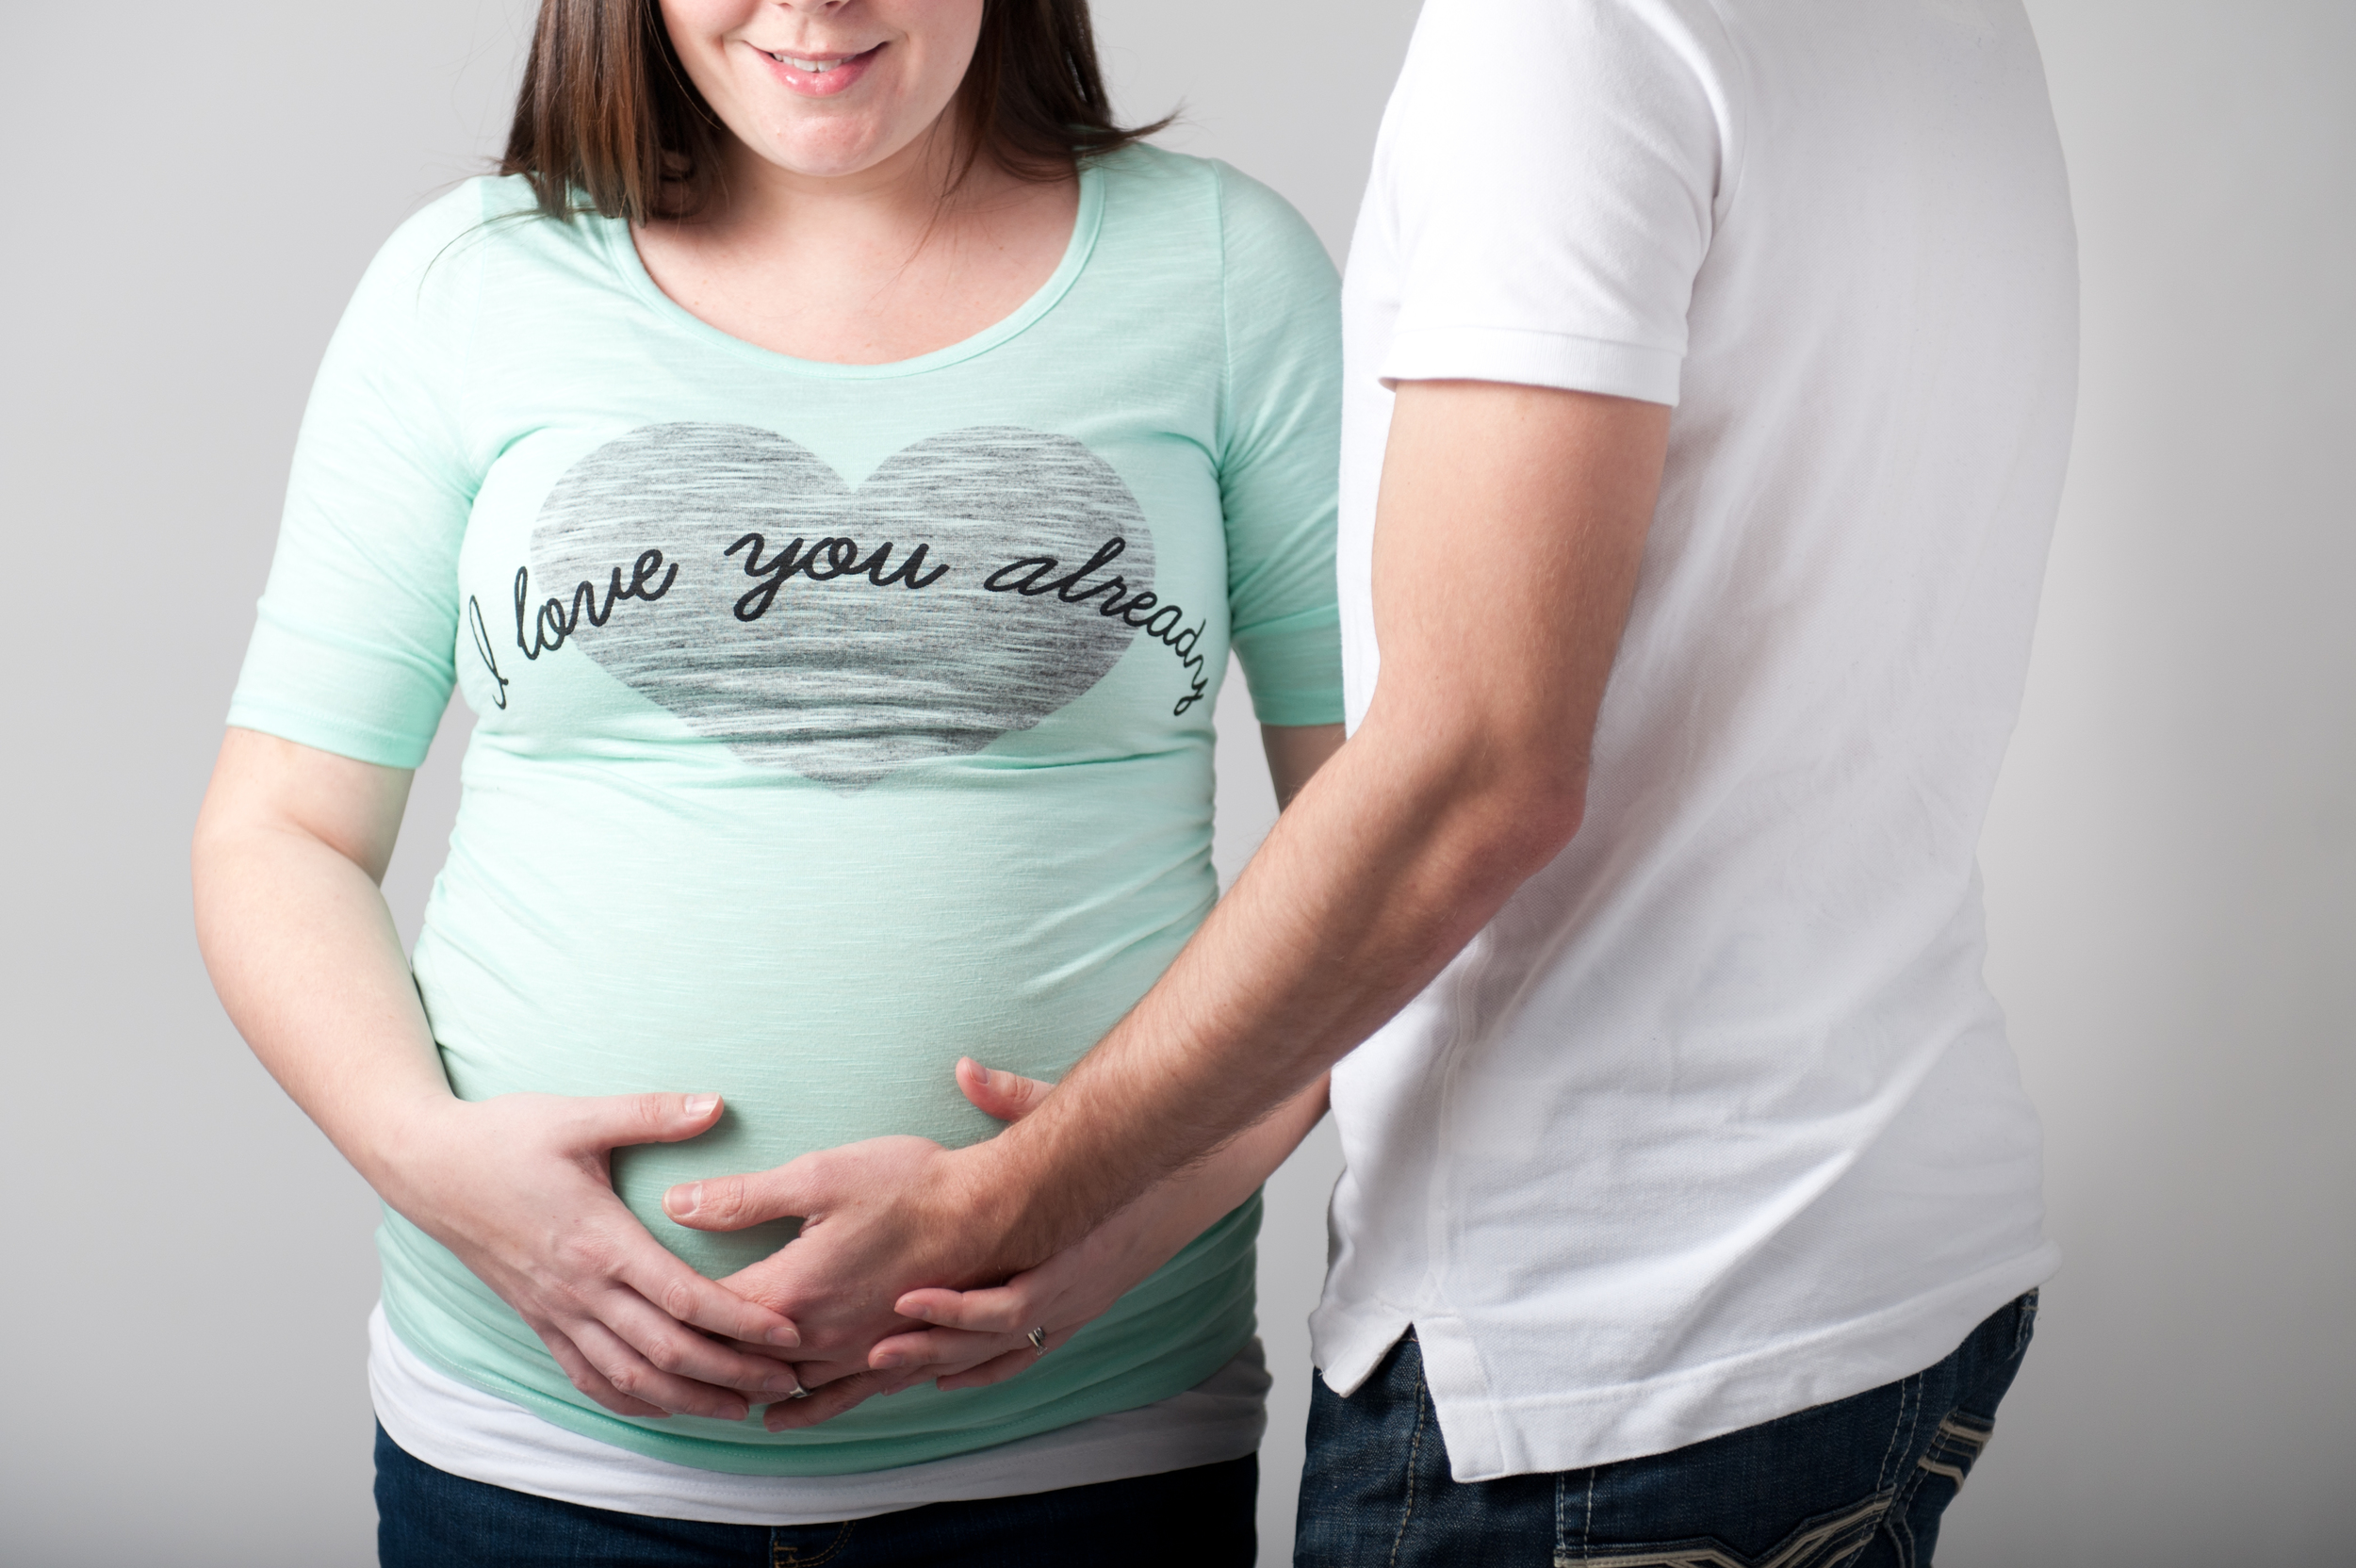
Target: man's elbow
x: 1511, y: 817
x: 1503, y: 789
x: 1534, y: 812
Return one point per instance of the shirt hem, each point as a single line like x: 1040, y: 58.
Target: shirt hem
x: 1491, y: 1436
x: 343, y: 738
x: 1533, y: 359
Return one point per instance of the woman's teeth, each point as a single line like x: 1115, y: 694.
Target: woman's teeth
x: 811, y: 66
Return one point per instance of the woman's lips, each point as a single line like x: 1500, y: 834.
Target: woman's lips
x: 835, y: 72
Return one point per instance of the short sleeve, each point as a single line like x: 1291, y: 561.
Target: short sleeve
x: 1280, y: 453
x: 1552, y: 170
x: 355, y: 636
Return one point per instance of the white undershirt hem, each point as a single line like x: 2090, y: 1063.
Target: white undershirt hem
x: 459, y: 1429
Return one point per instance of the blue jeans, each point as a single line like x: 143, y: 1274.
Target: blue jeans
x: 1858, y: 1483
x: 427, y: 1518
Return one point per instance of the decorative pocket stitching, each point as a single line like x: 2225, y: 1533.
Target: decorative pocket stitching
x: 1828, y: 1541
x: 1955, y: 1447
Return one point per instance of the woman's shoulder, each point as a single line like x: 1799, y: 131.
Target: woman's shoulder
x: 460, y: 260
x: 1253, y: 227
x: 462, y: 211
x: 491, y: 213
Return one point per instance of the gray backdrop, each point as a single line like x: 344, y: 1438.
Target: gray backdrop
x: 2168, y: 864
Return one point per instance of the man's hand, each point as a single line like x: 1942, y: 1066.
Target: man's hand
x: 885, y: 1203
x: 982, y: 1337
x: 877, y: 1217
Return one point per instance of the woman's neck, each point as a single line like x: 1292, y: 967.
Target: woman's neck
x: 886, y: 264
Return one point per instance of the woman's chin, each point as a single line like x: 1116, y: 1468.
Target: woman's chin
x: 834, y: 148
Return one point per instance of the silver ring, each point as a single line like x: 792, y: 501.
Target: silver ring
x: 799, y: 1392
x: 1038, y: 1340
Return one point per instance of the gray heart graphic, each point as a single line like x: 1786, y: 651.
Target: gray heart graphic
x: 776, y: 621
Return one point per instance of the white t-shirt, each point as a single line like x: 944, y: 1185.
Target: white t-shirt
x: 1717, y: 1120
x: 459, y: 1429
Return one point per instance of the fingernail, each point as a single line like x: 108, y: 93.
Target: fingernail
x: 700, y: 1105
x: 885, y: 1362
x: 682, y: 1201
x: 784, y: 1382
x: 735, y: 1413
x: 785, y: 1334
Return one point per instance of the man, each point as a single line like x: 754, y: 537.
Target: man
x: 1710, y: 374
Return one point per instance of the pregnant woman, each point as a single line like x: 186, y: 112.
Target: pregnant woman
x: 833, y: 462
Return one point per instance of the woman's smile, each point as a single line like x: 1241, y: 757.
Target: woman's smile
x: 825, y: 90
x: 819, y: 76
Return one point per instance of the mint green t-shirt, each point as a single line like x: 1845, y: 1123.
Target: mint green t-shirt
x: 832, y: 721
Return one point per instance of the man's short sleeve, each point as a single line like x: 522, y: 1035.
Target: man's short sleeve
x: 1549, y: 174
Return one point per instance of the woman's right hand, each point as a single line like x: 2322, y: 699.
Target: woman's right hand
x: 518, y: 1189
x: 289, y: 850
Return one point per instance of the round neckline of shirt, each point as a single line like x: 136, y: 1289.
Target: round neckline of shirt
x: 623, y: 252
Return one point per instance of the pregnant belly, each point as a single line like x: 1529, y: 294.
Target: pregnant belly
x: 820, y: 970
x: 807, y: 1054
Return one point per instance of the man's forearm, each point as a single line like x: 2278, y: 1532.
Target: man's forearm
x: 1468, y: 775
x: 1373, y: 879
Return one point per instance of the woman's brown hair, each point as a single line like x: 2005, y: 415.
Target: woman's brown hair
x: 608, y: 121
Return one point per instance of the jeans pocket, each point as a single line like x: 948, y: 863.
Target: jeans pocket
x: 1825, y: 1540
